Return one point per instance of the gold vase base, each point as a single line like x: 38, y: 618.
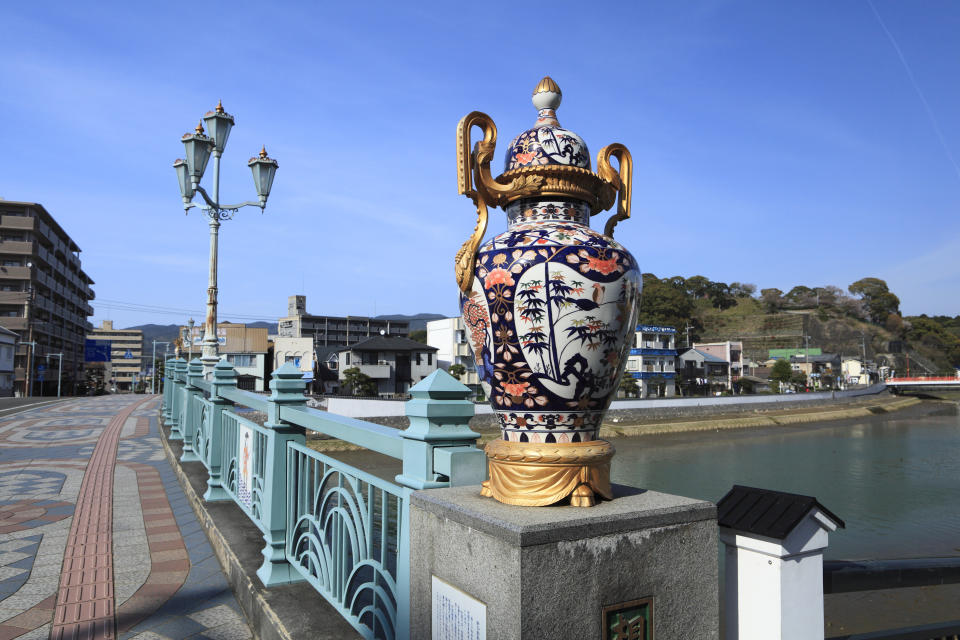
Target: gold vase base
x: 535, y: 474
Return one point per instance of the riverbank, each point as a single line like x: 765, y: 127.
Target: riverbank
x: 623, y: 424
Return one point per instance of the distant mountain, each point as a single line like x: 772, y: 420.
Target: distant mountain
x: 169, y: 332
x: 158, y: 332
x: 418, y: 321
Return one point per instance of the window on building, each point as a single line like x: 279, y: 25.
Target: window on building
x: 241, y: 359
x: 294, y: 359
x: 418, y: 358
x: 429, y: 359
x: 461, y: 336
x: 12, y: 263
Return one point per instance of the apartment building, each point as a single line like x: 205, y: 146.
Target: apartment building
x: 8, y: 347
x: 44, y: 296
x: 333, y: 331
x: 247, y: 349
x: 298, y: 352
x: 728, y: 351
x: 449, y: 337
x: 652, y: 360
x: 126, y: 355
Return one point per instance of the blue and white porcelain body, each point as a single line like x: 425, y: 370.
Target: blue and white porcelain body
x: 550, y: 314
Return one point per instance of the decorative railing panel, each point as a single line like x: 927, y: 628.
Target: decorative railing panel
x: 243, y: 459
x: 201, y: 437
x: 344, y: 531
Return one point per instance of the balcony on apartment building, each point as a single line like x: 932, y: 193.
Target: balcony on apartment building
x: 379, y: 371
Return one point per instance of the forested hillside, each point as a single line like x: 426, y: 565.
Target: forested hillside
x: 864, y: 319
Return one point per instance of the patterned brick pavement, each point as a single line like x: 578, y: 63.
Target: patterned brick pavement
x: 97, y: 539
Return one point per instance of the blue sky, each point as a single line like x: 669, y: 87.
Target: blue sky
x: 778, y: 143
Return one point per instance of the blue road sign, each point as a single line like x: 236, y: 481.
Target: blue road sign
x: 41, y: 367
x: 96, y: 351
x: 128, y: 355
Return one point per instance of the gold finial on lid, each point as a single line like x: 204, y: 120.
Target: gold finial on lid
x: 263, y: 151
x: 199, y: 128
x: 547, y: 84
x: 219, y: 106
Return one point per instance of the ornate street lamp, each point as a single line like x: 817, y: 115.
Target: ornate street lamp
x: 199, y: 147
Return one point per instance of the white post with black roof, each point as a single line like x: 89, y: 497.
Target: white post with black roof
x: 774, y: 563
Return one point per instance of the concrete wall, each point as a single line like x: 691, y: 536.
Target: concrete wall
x: 647, y: 407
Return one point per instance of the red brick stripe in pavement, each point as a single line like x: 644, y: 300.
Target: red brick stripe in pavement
x: 169, y: 562
x: 85, y: 601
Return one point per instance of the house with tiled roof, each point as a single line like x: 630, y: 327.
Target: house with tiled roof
x: 394, y: 363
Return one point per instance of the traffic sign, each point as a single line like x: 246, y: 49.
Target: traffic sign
x: 41, y: 367
x: 128, y: 355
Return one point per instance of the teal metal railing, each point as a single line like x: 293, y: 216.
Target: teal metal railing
x: 345, y: 530
x: 243, y: 456
x: 340, y: 528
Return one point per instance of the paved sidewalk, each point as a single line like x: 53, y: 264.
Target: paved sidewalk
x: 97, y: 539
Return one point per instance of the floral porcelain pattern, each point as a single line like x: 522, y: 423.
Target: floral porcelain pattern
x: 547, y: 143
x: 550, y: 309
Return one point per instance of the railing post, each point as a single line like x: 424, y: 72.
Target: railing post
x: 189, y: 427
x: 167, y: 364
x: 287, y: 386
x: 223, y: 376
x: 176, y: 397
x: 439, y: 449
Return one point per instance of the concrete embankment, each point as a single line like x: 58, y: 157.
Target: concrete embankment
x: 689, y: 417
x: 618, y: 427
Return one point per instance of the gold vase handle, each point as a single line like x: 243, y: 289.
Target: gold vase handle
x: 620, y: 180
x: 467, y: 174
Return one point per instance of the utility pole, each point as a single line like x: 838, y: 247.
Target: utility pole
x: 153, y: 376
x: 59, y: 368
x: 687, y: 329
x: 27, y: 392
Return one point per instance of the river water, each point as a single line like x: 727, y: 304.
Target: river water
x: 893, y: 479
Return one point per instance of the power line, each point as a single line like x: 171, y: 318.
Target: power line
x: 124, y: 305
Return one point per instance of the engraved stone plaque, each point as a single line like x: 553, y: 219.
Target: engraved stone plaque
x: 456, y: 615
x: 628, y: 620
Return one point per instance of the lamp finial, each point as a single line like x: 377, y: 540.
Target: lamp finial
x: 219, y: 106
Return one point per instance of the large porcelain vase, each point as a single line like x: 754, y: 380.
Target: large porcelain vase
x: 549, y: 304
x: 552, y: 306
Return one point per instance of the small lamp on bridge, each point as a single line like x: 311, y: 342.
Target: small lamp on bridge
x: 198, y: 147
x: 264, y: 169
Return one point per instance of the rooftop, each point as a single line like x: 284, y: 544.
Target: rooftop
x: 765, y: 512
x: 382, y: 343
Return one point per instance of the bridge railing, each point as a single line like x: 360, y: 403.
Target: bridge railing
x: 342, y: 529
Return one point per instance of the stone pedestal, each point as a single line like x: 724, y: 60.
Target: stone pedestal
x: 551, y: 572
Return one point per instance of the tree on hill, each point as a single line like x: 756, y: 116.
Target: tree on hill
x: 665, y: 303
x: 772, y: 299
x: 742, y: 289
x: 420, y: 335
x: 875, y: 294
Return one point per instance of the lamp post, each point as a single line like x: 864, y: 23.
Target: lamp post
x: 199, y: 147
x: 190, y: 342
